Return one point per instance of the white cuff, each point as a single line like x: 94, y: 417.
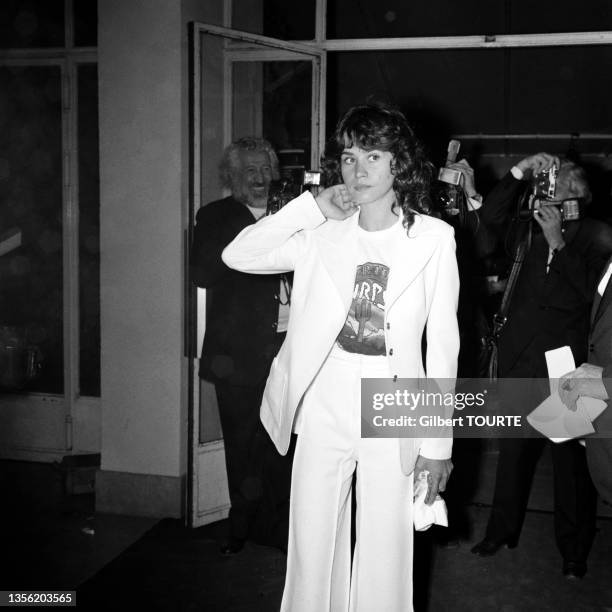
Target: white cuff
x: 517, y: 173
x: 436, y: 448
x: 474, y: 204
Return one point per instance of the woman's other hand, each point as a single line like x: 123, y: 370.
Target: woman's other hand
x: 439, y: 471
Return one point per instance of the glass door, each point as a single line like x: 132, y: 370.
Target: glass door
x: 242, y: 85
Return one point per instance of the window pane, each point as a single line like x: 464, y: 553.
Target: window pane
x: 287, y: 108
x: 398, y: 18
x: 273, y: 99
x: 276, y: 18
x: 441, y: 92
x: 31, y: 23
x: 247, y: 15
x: 31, y: 193
x: 512, y: 91
x: 85, y: 23
x: 528, y: 17
x: 560, y: 90
x: 89, y: 231
x: 290, y: 20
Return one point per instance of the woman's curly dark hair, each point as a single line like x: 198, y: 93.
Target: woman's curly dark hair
x: 374, y: 126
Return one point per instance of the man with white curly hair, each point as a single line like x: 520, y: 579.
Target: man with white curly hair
x: 246, y: 320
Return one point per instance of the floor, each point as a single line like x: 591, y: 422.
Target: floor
x: 57, y: 541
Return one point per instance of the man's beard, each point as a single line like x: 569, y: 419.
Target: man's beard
x: 259, y: 202
x: 250, y: 199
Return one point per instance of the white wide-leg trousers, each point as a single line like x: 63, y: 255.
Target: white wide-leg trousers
x: 329, y: 450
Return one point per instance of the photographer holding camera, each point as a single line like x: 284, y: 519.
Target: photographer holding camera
x: 456, y: 201
x: 246, y: 323
x: 562, y: 256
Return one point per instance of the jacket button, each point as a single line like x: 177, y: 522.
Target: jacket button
x: 388, y: 326
x: 395, y: 378
x: 390, y: 351
x: 591, y: 348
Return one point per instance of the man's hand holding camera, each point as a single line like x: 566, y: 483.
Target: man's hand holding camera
x: 467, y: 173
x: 549, y: 219
x: 540, y: 162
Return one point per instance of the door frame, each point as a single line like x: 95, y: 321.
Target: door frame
x: 206, y: 461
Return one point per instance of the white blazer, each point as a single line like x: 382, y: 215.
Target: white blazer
x: 423, y: 288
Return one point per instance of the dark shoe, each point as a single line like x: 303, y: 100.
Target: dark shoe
x: 487, y: 548
x: 231, y: 546
x: 574, y: 570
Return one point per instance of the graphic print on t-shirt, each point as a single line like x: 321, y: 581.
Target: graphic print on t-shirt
x: 363, y: 330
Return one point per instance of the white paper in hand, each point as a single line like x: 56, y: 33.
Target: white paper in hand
x: 552, y: 417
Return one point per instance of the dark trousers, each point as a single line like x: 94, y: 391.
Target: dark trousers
x: 259, y: 478
x: 574, y: 494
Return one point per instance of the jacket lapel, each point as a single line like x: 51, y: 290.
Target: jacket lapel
x: 595, y: 311
x: 409, y: 261
x: 336, y: 255
x: 601, y: 301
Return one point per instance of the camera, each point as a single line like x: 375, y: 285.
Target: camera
x: 449, y: 176
x: 448, y: 193
x: 543, y: 190
x: 545, y: 183
x: 446, y: 175
x: 288, y: 188
x: 311, y: 178
x: 570, y: 208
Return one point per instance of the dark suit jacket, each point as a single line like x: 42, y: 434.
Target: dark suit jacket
x: 547, y: 310
x: 241, y: 309
x: 599, y: 447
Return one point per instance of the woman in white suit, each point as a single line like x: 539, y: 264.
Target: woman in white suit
x: 371, y: 272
